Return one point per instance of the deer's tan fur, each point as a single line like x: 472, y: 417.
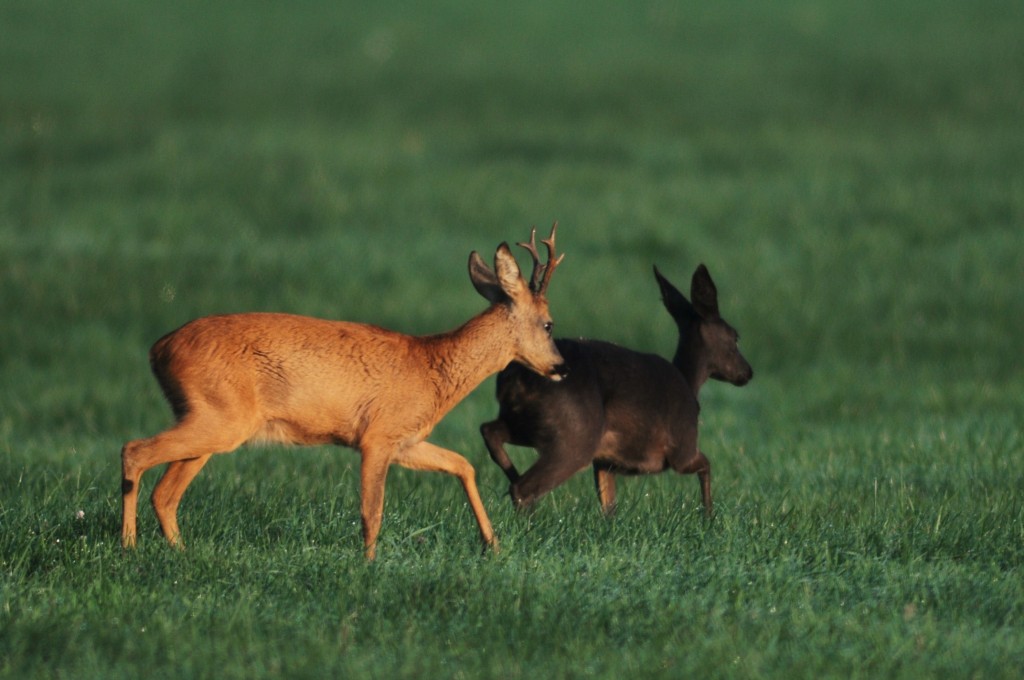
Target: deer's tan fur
x: 284, y: 378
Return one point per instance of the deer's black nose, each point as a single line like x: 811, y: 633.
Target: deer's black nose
x: 561, y: 370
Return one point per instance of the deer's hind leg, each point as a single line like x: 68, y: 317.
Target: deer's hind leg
x: 186, y: 446
x: 169, y: 490
x: 496, y: 434
x: 561, y: 455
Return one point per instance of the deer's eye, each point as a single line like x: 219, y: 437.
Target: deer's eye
x: 548, y: 326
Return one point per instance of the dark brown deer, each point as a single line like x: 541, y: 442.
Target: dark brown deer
x: 624, y: 412
x: 283, y: 378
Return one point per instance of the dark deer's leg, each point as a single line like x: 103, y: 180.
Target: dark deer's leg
x: 496, y: 435
x: 704, y: 476
x: 604, y: 481
x: 563, y: 451
x: 547, y: 473
x: 701, y: 466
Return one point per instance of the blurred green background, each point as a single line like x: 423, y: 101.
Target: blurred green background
x: 852, y: 173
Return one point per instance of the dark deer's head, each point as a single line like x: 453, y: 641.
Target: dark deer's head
x: 707, y: 343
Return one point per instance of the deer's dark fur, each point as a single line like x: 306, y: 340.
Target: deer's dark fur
x: 624, y: 412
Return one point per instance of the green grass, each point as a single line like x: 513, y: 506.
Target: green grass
x: 852, y: 174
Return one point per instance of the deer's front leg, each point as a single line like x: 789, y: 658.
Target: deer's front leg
x: 604, y: 482
x: 372, y: 477
x: 704, y: 476
x: 432, y: 458
x: 699, y: 465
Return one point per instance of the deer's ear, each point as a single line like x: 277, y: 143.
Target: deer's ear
x: 484, y: 280
x: 704, y: 294
x: 675, y: 302
x: 507, y: 271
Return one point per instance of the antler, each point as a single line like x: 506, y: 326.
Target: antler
x: 542, y: 272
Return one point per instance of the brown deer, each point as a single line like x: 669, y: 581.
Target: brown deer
x: 621, y: 411
x: 265, y: 377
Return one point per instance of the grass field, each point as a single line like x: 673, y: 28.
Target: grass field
x: 851, y: 172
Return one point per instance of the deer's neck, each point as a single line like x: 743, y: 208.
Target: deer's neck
x: 688, y: 361
x: 463, y: 358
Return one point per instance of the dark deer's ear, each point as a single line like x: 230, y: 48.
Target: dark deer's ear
x: 675, y: 302
x: 704, y: 294
x: 485, y: 280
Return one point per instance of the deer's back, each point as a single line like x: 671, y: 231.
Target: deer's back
x: 650, y: 411
x: 313, y: 380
